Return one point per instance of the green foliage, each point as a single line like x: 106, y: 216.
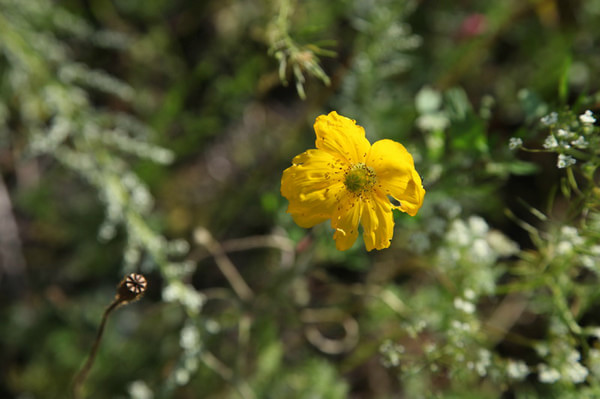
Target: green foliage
x: 151, y: 137
x: 301, y: 59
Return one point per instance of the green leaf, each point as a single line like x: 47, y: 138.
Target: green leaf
x: 563, y: 84
x: 521, y: 168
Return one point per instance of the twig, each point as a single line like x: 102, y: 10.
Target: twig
x: 237, y: 282
x: 284, y: 244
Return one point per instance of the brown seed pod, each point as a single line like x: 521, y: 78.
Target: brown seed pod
x: 136, y: 283
x: 131, y: 287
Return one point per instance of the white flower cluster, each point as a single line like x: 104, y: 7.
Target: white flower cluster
x: 514, y: 143
x: 568, y: 239
x: 187, y: 295
x: 565, y: 365
x: 570, y: 242
x: 564, y: 161
x: 587, y: 118
x: 550, y: 143
x: 463, y: 349
x: 432, y: 118
x: 471, y: 244
x: 140, y: 390
x: 482, y: 363
x: 547, y: 374
x: 566, y: 136
x: 590, y: 257
x: 464, y: 305
x: 517, y: 369
x: 391, y: 352
x: 190, y: 342
x: 120, y: 140
x: 77, y: 73
x: 549, y: 119
x: 60, y: 121
x: 179, y: 270
x: 189, y: 338
x: 466, y: 302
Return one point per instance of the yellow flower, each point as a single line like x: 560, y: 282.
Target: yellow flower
x: 350, y: 181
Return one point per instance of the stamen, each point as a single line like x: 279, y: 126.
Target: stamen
x: 359, y: 178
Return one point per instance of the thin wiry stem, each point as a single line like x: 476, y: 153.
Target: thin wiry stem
x: 237, y: 282
x: 82, y: 374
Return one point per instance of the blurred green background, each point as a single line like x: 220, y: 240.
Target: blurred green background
x: 150, y: 136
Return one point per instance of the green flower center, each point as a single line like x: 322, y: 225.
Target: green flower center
x: 360, y: 178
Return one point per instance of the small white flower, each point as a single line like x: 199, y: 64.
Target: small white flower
x: 564, y: 247
x: 542, y: 349
x: 192, y: 299
x: 565, y: 160
x: 588, y: 262
x: 573, y: 356
x: 568, y: 231
x: 464, y: 306
x: 547, y: 374
x: 517, y: 369
x: 459, y: 326
x: 514, y: 143
x: 139, y: 390
x: 562, y: 133
x: 392, y: 353
x: 212, y: 326
x: 478, y: 225
x: 550, y: 119
x: 185, y: 294
x: 481, y: 250
x: 550, y: 142
x: 171, y: 293
x: 572, y: 234
x: 189, y: 338
x: 182, y: 376
x: 587, y: 118
x: 581, y: 142
x: 459, y: 233
x: 484, y: 362
x: 575, y: 372
x: 433, y: 122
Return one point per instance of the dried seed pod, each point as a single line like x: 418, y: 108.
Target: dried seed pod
x: 131, y: 287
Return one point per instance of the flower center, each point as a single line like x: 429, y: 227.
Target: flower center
x: 359, y: 178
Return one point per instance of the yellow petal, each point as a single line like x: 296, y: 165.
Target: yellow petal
x: 312, y: 186
x: 396, y: 175
x: 377, y: 222
x: 345, y: 222
x: 341, y: 137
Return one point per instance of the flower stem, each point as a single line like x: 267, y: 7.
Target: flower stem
x: 130, y: 289
x: 83, y: 372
